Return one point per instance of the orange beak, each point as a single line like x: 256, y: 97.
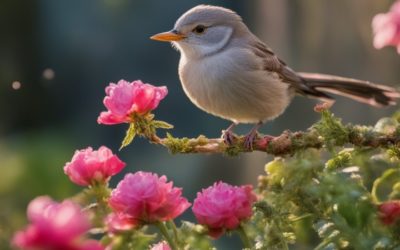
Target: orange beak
x: 168, y: 36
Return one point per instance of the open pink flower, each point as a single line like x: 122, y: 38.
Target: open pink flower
x: 55, y: 226
x: 148, y: 198
x: 386, y: 28
x: 223, y: 206
x: 389, y: 212
x: 161, y: 246
x: 126, y: 98
x: 88, y: 166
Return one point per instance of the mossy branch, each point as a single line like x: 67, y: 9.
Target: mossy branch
x: 326, y: 133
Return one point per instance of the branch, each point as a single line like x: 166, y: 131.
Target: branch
x: 328, y: 133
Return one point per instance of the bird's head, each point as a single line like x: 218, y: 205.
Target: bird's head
x: 204, y: 30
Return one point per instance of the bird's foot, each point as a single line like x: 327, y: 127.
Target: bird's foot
x: 251, y: 136
x: 228, y: 137
x: 249, y: 140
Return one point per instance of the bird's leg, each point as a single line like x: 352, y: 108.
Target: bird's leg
x: 249, y: 138
x: 227, y: 134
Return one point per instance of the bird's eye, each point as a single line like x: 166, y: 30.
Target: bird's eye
x: 199, y: 29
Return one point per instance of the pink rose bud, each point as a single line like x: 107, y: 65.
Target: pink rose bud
x: 127, y: 98
x: 389, y: 212
x: 54, y: 226
x: 118, y: 222
x: 386, y: 28
x: 223, y: 206
x: 161, y: 246
x: 148, y: 198
x: 89, y: 166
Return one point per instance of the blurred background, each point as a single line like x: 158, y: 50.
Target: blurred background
x: 56, y: 58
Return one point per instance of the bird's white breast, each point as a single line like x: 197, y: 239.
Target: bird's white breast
x: 231, y: 84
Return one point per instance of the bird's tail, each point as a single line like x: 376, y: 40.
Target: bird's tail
x: 362, y: 91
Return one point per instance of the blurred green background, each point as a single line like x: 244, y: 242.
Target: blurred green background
x: 56, y: 58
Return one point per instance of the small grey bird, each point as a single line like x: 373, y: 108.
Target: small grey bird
x: 227, y: 71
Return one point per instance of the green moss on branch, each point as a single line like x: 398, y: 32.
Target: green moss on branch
x: 328, y: 132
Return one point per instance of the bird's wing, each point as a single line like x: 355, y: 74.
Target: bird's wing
x: 315, y: 85
x: 272, y: 63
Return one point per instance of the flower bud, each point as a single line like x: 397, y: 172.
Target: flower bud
x: 147, y: 198
x: 223, y: 206
x: 90, y: 166
x: 389, y: 212
x: 125, y: 99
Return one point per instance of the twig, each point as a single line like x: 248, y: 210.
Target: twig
x: 328, y: 132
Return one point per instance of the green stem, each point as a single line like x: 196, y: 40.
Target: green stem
x: 322, y: 245
x: 325, y: 243
x: 243, y: 236
x: 301, y: 217
x: 386, y: 175
x: 101, y: 193
x: 164, y: 232
x: 171, y: 223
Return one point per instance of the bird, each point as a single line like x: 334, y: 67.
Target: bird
x: 229, y: 72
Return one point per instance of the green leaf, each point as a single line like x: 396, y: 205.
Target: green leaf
x: 130, y: 135
x: 162, y: 124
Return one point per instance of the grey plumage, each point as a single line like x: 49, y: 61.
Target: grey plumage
x: 227, y: 71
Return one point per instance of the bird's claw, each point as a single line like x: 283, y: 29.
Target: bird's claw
x: 251, y: 136
x: 249, y: 140
x: 228, y: 137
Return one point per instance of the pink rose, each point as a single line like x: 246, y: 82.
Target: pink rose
x: 223, y: 206
x: 88, y: 166
x: 161, y: 246
x: 125, y: 99
x: 386, y: 28
x: 117, y: 222
x: 389, y: 212
x: 55, y: 226
x: 147, y: 198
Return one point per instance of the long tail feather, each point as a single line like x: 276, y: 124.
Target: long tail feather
x: 362, y: 91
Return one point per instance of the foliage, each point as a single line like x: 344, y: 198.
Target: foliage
x: 334, y: 190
